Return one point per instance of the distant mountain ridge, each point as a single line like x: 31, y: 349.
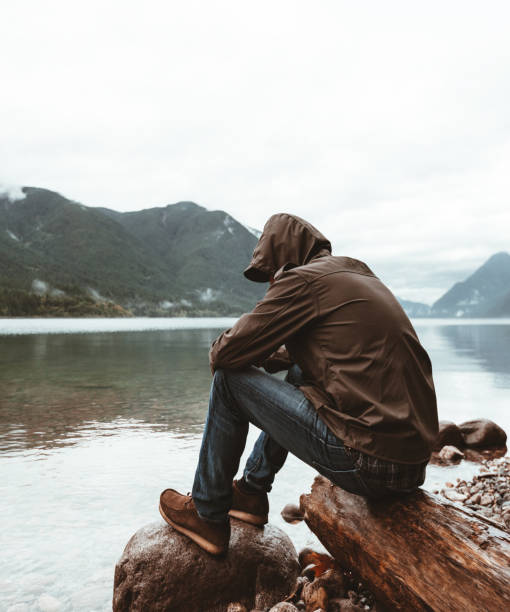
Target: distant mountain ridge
x: 485, y: 293
x: 179, y: 259
x: 415, y: 309
x: 176, y: 259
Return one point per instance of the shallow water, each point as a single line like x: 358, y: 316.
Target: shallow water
x: 94, y: 425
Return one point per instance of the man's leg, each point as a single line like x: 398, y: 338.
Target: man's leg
x: 267, y: 456
x: 282, y: 411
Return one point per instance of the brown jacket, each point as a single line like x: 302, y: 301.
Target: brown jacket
x: 366, y: 372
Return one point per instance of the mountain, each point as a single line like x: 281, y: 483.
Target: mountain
x: 485, y: 293
x: 176, y: 259
x: 501, y: 307
x: 57, y: 255
x: 205, y: 250
x: 414, y: 309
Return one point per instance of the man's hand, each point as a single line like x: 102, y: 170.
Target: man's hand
x: 278, y: 361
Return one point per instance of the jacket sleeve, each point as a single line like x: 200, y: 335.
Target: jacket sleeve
x: 287, y: 306
x: 277, y: 361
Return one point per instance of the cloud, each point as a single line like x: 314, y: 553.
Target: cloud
x: 12, y: 192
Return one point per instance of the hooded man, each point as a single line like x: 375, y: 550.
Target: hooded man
x: 358, y: 403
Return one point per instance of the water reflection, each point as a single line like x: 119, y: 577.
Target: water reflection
x: 57, y: 389
x: 92, y: 428
x: 471, y: 371
x: 489, y: 345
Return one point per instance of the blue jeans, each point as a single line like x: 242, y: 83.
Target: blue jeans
x: 289, y: 423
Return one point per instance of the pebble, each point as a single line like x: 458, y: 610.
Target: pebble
x: 486, y: 500
x: 455, y: 496
x: 488, y: 493
x: 292, y: 514
x: 284, y: 606
x: 450, y: 453
x: 236, y: 607
x: 335, y: 588
x: 474, y: 499
x: 308, y: 572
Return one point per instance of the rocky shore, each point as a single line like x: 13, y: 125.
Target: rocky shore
x: 263, y: 573
x: 322, y: 586
x: 487, y: 493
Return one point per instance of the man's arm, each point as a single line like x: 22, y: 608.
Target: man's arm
x: 287, y: 306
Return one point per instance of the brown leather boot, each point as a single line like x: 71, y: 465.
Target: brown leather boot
x: 250, y: 507
x: 179, y: 511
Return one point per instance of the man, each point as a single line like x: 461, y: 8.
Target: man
x: 358, y: 403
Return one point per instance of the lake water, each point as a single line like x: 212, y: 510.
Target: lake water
x: 97, y: 416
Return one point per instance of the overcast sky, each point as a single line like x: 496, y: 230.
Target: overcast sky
x: 386, y: 124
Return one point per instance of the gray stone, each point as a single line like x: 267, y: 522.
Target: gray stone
x: 292, y: 514
x: 482, y: 433
x: 486, y: 500
x: 454, y: 495
x: 450, y: 453
x: 343, y: 605
x: 161, y: 569
x: 475, y: 499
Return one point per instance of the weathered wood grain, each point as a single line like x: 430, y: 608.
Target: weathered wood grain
x: 416, y: 552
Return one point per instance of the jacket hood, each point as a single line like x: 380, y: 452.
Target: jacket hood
x: 286, y: 241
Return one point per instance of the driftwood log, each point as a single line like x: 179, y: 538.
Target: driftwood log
x: 416, y: 552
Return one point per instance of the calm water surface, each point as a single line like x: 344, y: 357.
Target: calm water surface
x: 94, y: 425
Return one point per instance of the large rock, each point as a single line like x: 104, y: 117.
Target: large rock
x: 160, y: 569
x: 482, y: 433
x: 449, y: 435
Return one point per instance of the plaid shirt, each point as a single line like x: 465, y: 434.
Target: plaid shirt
x: 380, y: 472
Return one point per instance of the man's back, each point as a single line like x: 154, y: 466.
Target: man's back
x: 366, y: 371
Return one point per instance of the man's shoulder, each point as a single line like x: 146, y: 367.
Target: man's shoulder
x: 331, y: 264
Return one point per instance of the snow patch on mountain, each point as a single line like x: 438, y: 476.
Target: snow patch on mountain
x: 228, y: 222
x: 473, y: 300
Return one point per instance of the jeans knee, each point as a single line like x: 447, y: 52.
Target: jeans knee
x: 222, y: 400
x: 223, y: 376
x: 220, y: 384
x: 219, y: 376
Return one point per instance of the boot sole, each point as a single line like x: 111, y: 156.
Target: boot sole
x: 209, y: 547
x: 253, y: 519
